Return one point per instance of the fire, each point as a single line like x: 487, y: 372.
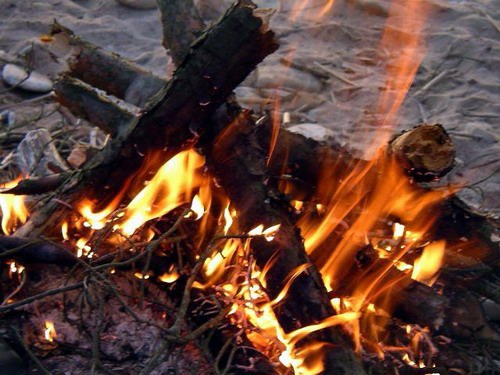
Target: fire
x: 403, y: 42
x: 268, y: 233
x: 427, y: 266
x: 171, y: 276
x: 197, y: 207
x: 50, y: 331
x: 14, y: 211
x: 170, y: 187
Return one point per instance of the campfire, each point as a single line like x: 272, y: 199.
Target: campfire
x: 202, y: 236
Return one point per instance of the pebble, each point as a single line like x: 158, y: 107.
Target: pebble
x: 314, y: 131
x: 138, y: 4
x: 14, y: 75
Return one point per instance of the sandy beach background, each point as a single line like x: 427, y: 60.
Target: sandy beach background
x: 339, y: 74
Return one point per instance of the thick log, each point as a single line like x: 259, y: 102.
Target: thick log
x: 217, y: 63
x: 88, y: 104
x: 104, y: 70
x: 181, y: 26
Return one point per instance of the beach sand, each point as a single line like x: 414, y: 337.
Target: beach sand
x: 457, y: 83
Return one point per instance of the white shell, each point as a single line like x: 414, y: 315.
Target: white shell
x: 138, y: 4
x: 14, y: 75
x: 313, y: 131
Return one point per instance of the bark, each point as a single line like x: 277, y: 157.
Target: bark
x: 88, y: 104
x: 181, y: 26
x: 104, y: 70
x: 217, y: 63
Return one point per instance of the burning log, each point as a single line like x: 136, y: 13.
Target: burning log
x: 240, y: 168
x: 204, y: 80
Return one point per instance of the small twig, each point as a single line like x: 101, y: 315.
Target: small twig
x: 432, y: 82
x: 15, y: 305
x: 333, y: 73
x: 17, y: 290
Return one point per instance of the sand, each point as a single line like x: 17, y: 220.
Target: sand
x: 457, y: 83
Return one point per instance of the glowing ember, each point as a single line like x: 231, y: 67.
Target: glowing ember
x: 50, y: 331
x: 427, y: 266
x: 170, y: 276
x: 14, y: 212
x: 399, y: 231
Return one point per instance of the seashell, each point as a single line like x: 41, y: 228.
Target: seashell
x: 14, y: 75
x: 138, y: 4
x: 314, y: 131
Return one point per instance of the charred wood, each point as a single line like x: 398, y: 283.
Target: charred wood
x: 217, y: 63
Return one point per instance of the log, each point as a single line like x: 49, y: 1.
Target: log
x: 217, y: 63
x: 104, y: 70
x: 30, y: 251
x: 240, y: 169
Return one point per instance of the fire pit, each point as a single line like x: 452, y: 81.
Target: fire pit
x: 194, y: 235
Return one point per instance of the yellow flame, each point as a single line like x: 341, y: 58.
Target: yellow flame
x: 64, y: 230
x: 197, y: 207
x: 427, y: 266
x: 170, y: 187
x: 50, y: 331
x: 399, y: 231
x: 170, y: 276
x: 14, y: 211
x: 227, y: 219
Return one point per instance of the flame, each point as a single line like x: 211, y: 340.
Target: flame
x: 267, y: 233
x: 170, y: 187
x: 427, y: 266
x: 14, y: 211
x: 170, y: 276
x: 300, y: 6
x: 197, y: 207
x: 403, y: 43
x: 228, y: 220
x: 50, y: 331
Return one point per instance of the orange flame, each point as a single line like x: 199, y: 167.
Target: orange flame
x: 50, y: 331
x: 170, y: 187
x: 427, y: 266
x: 402, y: 41
x: 14, y: 211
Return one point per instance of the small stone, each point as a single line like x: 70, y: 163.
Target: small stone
x: 37, y: 155
x: 282, y: 77
x: 16, y: 76
x: 314, y: 131
x: 138, y: 4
